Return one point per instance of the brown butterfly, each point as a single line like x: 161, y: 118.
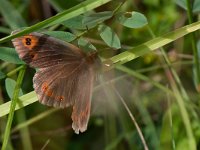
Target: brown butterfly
x: 65, y: 74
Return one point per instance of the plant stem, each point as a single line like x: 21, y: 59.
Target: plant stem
x: 12, y: 108
x: 132, y: 118
x: 173, y: 72
x: 194, y: 46
x: 149, y: 46
x: 14, y: 71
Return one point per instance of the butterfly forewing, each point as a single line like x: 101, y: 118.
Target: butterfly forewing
x: 41, y: 51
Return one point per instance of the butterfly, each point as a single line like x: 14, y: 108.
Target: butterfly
x: 65, y: 74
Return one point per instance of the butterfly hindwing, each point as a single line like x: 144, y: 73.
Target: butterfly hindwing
x: 53, y: 84
x: 73, y: 88
x: 81, y: 107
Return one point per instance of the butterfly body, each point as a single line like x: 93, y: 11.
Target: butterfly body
x: 65, y: 74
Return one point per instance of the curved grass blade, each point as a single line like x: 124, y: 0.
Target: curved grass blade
x: 120, y: 59
x: 12, y: 108
x: 59, y: 18
x: 24, y: 100
x: 152, y: 45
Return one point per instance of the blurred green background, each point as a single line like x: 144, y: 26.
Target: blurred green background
x: 165, y: 106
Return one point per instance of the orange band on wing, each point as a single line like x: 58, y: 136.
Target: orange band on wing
x: 29, y: 41
x: 44, y: 87
x: 46, y: 90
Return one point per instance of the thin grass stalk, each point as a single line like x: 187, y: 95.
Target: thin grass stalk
x: 171, y: 122
x: 24, y: 132
x: 171, y: 69
x: 180, y: 95
x: 194, y: 44
x: 34, y: 119
x: 132, y: 118
x: 12, y: 108
x: 185, y: 117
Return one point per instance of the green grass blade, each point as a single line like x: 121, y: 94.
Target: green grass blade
x: 194, y: 44
x: 144, y: 78
x: 153, y: 44
x: 21, y: 116
x: 186, y: 119
x: 24, y: 132
x: 12, y: 109
x: 25, y: 100
x: 35, y: 119
x: 59, y: 18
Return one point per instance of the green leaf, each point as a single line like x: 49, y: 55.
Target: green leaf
x: 85, y: 45
x: 22, y: 6
x: 91, y: 20
x: 132, y: 19
x: 5, y: 30
x: 65, y: 36
x: 75, y: 23
x: 182, y: 3
x: 109, y: 36
x: 61, y: 5
x: 195, y: 6
x: 10, y: 86
x: 11, y: 15
x: 2, y: 75
x: 58, y: 4
x: 10, y: 55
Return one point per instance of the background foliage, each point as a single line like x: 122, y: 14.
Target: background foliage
x: 146, y: 54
